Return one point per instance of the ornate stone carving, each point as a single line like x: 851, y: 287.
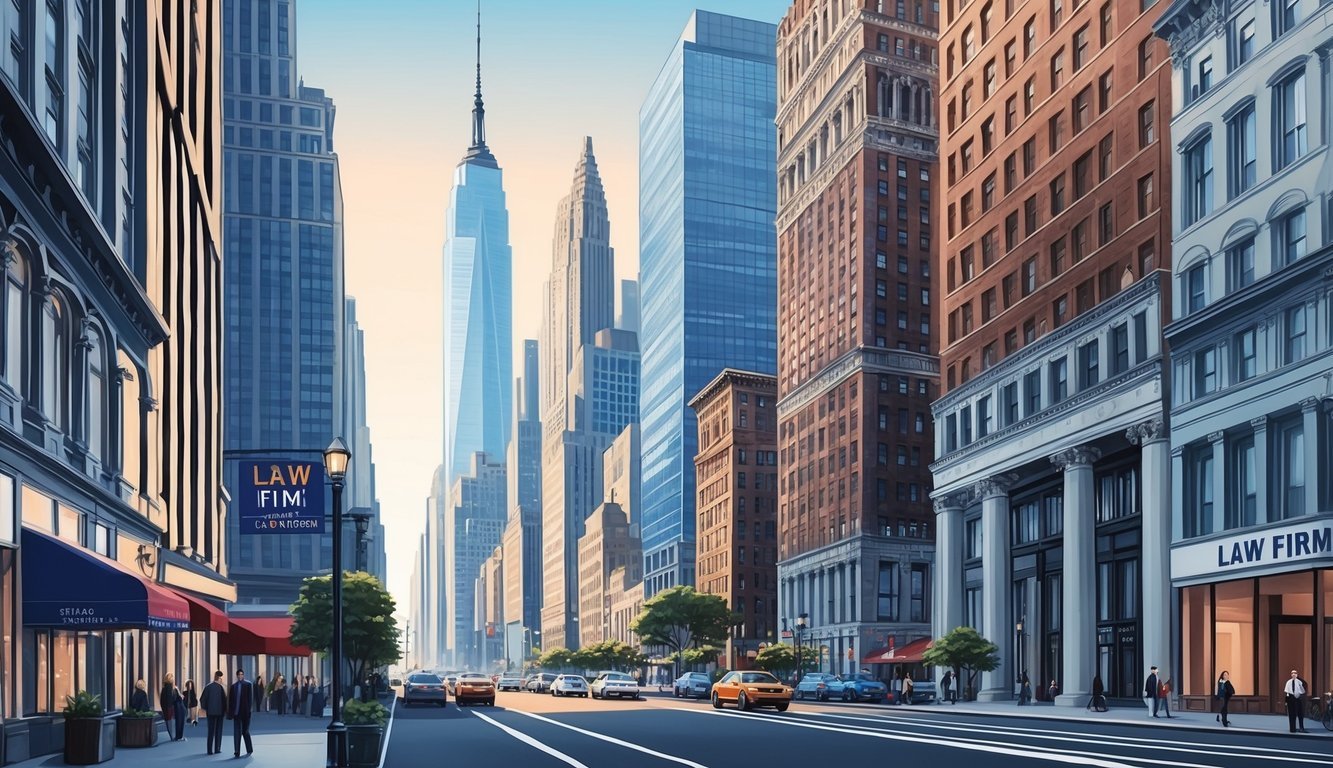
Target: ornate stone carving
x: 952, y: 501
x: 996, y: 485
x: 1078, y: 456
x: 1309, y: 404
x: 1216, y: 437
x: 1147, y: 432
x: 9, y: 251
x: 1259, y: 422
x: 1211, y: 18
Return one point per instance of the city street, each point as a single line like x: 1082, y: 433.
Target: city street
x: 537, y: 730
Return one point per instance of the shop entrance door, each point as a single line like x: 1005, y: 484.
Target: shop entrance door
x: 1293, y: 643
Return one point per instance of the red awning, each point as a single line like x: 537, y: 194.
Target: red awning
x: 907, y: 654
x: 255, y: 635
x: 204, y: 616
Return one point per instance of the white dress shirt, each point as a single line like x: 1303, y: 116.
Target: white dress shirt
x: 1294, y: 688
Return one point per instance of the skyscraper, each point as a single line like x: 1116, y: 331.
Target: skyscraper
x: 576, y: 422
x: 857, y: 367
x: 474, y: 519
x: 359, y: 494
x: 627, y: 317
x: 1051, y: 452
x: 478, y: 344
x: 708, y: 256
x: 523, y: 534
x: 283, y: 383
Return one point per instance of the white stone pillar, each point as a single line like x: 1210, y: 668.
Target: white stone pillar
x: 1310, y: 438
x: 1155, y: 482
x: 1260, y: 425
x: 1080, y: 576
x: 996, y: 611
x: 1219, y: 443
x: 948, y: 569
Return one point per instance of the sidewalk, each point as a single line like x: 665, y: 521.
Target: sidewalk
x: 1139, y: 716
x: 281, y: 741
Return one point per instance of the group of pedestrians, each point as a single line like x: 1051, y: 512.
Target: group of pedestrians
x: 282, y: 697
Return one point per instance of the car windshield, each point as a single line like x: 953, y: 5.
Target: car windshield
x: 424, y: 679
x: 618, y: 676
x: 698, y: 676
x: 758, y: 677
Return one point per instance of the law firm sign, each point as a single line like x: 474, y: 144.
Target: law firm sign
x: 281, y: 497
x: 1301, y: 542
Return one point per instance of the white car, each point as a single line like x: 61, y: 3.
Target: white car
x: 617, y: 684
x: 509, y: 683
x: 569, y: 685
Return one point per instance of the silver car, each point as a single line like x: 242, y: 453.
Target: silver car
x: 696, y: 684
x: 617, y: 684
x: 569, y: 685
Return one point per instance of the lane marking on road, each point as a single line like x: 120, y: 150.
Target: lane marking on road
x: 531, y: 742
x: 1130, y: 742
x: 612, y: 740
x: 991, y: 747
x: 384, y: 750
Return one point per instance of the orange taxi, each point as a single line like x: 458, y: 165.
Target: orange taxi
x: 751, y: 689
x: 474, y: 687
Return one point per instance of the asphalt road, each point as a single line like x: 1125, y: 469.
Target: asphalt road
x: 525, y: 729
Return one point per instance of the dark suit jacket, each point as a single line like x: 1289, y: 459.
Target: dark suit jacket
x: 1151, y: 688
x: 214, y: 699
x: 241, y: 696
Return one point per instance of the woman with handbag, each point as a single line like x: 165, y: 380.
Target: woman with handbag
x: 1225, y: 690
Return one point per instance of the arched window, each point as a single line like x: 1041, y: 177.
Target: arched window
x: 16, y: 277
x: 55, y: 357
x: 95, y: 430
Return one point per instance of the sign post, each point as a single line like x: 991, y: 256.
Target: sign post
x: 281, y: 497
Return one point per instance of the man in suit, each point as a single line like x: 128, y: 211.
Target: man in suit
x: 1153, y: 690
x: 1294, y: 694
x: 213, y: 700
x: 242, y: 694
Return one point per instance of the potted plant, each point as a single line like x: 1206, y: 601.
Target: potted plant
x: 136, y: 728
x: 85, y: 742
x: 365, y: 728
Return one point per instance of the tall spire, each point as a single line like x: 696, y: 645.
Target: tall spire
x: 478, y: 150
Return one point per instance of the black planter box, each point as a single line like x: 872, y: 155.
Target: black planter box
x: 363, y: 745
x: 90, y: 740
x: 136, y: 731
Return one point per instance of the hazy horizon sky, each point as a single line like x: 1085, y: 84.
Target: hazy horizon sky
x: 401, y: 74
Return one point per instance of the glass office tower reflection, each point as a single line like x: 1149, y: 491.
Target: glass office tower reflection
x: 708, y: 253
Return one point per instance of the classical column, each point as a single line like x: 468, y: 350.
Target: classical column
x: 1218, y: 440
x: 1260, y: 425
x: 1155, y: 483
x: 996, y: 623
x: 948, y: 568
x: 1310, y: 438
x: 1080, y: 576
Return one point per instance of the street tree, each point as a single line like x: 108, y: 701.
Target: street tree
x: 680, y: 618
x: 781, y: 658
x: 556, y: 658
x: 963, y: 648
x: 369, y: 631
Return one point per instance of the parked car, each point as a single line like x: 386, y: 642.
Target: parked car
x: 539, y: 683
x: 819, y: 686
x: 696, y: 684
x: 749, y: 689
x: 509, y: 683
x: 424, y: 687
x: 923, y: 692
x: 863, y: 687
x: 569, y: 685
x: 474, y: 687
x: 617, y: 684
x: 451, y: 680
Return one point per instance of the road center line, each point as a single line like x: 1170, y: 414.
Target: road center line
x: 531, y: 742
x: 612, y: 740
x: 1030, y: 753
x: 1127, y: 742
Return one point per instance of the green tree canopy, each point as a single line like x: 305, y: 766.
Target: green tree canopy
x: 610, y: 654
x: 963, y: 648
x: 781, y: 657
x: 370, y: 632
x: 680, y: 618
x: 556, y: 658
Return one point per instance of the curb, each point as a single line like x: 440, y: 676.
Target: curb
x: 388, y: 731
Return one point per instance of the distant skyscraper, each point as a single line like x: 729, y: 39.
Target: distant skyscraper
x: 709, y: 269
x: 627, y: 319
x: 474, y: 519
x: 359, y: 495
x: 283, y: 281
x: 576, y: 423
x: 522, y: 536
x: 478, y: 344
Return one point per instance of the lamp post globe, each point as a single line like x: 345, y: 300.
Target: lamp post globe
x: 336, y: 459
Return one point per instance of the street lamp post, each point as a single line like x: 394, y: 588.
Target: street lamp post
x: 336, y: 457
x: 801, y: 621
x: 361, y: 518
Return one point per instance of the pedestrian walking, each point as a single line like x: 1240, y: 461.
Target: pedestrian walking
x: 946, y: 683
x: 1165, y: 694
x: 260, y: 694
x: 1052, y: 691
x: 907, y: 690
x: 280, y: 694
x: 191, y: 703
x: 173, y: 707
x: 1294, y: 693
x: 294, y: 697
x: 1024, y: 689
x: 242, y: 697
x: 213, y: 700
x: 1098, y: 700
x: 1225, y: 690
x: 1152, y: 690
x: 139, y: 699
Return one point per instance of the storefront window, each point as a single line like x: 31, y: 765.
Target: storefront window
x: 64, y: 668
x: 71, y: 524
x: 38, y: 509
x: 8, y: 703
x: 35, y: 648
x: 8, y: 532
x: 1286, y: 608
x: 92, y: 665
x: 1234, y: 625
x: 1196, y: 637
x: 122, y: 683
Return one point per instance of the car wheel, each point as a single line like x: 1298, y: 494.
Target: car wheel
x: 849, y: 695
x: 797, y: 695
x: 823, y: 697
x: 781, y: 707
x: 490, y: 703
x: 717, y: 702
x: 742, y: 702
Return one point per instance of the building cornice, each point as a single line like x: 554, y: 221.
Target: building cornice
x: 860, y: 359
x: 734, y: 376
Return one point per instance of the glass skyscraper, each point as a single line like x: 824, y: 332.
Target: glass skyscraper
x: 478, y: 333
x: 708, y: 256
x: 283, y: 287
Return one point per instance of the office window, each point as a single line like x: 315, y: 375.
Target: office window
x: 1105, y: 224
x: 1205, y: 371
x: 1029, y: 276
x: 1145, y: 197
x: 983, y: 418
x: 1029, y: 96
x: 1240, y: 264
x: 1029, y: 38
x: 1287, y: 459
x: 1057, y: 257
x: 1081, y: 48
x: 1145, y: 57
x: 1029, y: 157
x: 1243, y: 497
x: 1010, y: 114
x: 1147, y: 125
x: 1105, y: 24
x: 1057, y: 13
x: 1241, y: 151
x: 919, y: 597
x: 55, y: 73
x: 886, y: 602
x: 1289, y: 120
x: 1244, y: 45
x: 988, y: 79
x: 1057, y: 70
x: 1104, y: 149
x: 1057, y: 190
x: 1104, y: 91
x: 1119, y: 348
x: 1056, y: 129
x: 1089, y: 363
x: 1198, y: 186
x: 1286, y: 14
x: 1009, y: 404
x: 1196, y: 281
x: 1199, y: 498
x: 1295, y: 335
x: 1030, y: 215
x: 1245, y: 355
x: 1059, y: 378
x: 1032, y: 392
x: 1082, y: 109
x: 1059, y: 311
x: 1079, y: 238
x: 1290, y: 234
x: 1010, y: 58
x: 1203, y: 77
x: 988, y: 193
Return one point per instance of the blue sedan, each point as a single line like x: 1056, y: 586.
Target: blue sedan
x: 819, y: 686
x: 863, y: 687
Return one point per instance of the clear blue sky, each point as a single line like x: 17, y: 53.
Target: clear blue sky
x: 401, y: 74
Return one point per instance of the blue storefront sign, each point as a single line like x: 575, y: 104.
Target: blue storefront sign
x: 281, y: 497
